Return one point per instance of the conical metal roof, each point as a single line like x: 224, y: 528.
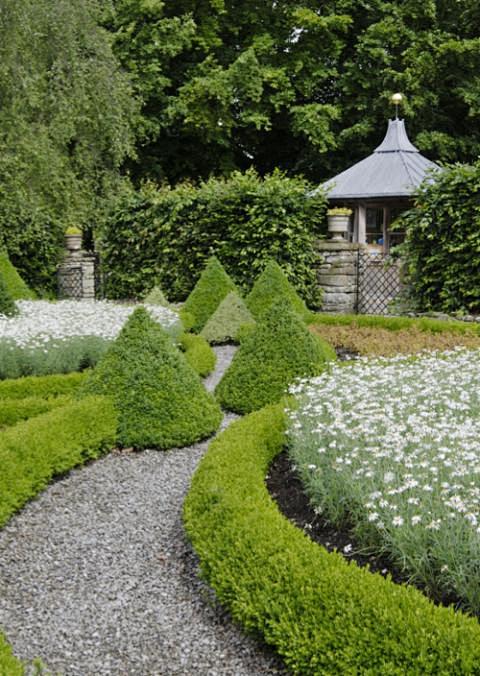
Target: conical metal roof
x: 395, y: 169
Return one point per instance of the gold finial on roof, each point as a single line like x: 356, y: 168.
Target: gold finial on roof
x: 396, y: 99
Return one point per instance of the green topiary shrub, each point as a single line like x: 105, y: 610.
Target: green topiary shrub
x: 322, y: 614
x: 156, y: 297
x: 271, y: 286
x: 198, y: 353
x: 7, y: 304
x: 227, y: 320
x: 14, y: 283
x: 211, y: 288
x: 160, y: 399
x: 279, y: 350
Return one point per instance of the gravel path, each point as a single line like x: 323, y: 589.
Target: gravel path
x: 96, y: 576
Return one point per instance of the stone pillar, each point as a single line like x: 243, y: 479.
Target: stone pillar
x: 76, y: 275
x: 337, y: 275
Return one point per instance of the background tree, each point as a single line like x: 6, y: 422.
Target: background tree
x: 65, y: 111
x: 291, y: 84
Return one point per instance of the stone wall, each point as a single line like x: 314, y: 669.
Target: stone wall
x: 337, y: 275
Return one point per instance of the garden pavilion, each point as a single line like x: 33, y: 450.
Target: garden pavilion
x: 380, y: 187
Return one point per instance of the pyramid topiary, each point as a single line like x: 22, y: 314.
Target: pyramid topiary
x: 7, y: 305
x: 15, y: 284
x: 212, y: 287
x: 230, y: 316
x: 160, y: 400
x: 279, y: 350
x: 271, y: 286
x: 156, y: 297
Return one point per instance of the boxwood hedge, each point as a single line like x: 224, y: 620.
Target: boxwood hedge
x: 160, y: 399
x: 7, y: 304
x: 323, y: 615
x: 41, y: 386
x: 34, y: 451
x: 198, y: 353
x: 13, y: 411
x: 277, y: 351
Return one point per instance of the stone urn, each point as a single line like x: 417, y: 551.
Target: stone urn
x: 338, y: 222
x: 73, y: 240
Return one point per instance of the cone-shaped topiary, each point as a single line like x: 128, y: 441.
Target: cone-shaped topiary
x: 279, y: 350
x: 7, y: 305
x: 14, y: 283
x: 272, y: 285
x: 227, y: 320
x: 160, y: 400
x: 212, y: 287
x: 156, y: 297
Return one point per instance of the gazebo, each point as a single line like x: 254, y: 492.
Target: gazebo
x: 380, y: 187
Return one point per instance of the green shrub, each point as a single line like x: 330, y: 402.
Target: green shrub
x: 156, y: 297
x: 227, y: 320
x: 56, y: 356
x: 34, y: 451
x: 15, y: 284
x: 211, y: 288
x: 9, y: 664
x: 198, y: 353
x: 41, y: 386
x: 427, y: 324
x: 271, y: 286
x: 160, y: 400
x: 443, y: 240
x: 279, y: 350
x: 7, y: 304
x: 13, y: 411
x: 322, y: 614
x: 164, y: 236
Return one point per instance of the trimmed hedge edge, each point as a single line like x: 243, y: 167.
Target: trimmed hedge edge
x: 323, y: 615
x: 36, y: 450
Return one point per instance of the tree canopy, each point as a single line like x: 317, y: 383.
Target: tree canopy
x: 65, y: 126
x: 292, y: 84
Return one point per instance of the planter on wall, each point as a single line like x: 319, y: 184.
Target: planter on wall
x: 338, y: 225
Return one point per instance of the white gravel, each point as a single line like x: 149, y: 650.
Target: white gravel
x: 97, y: 578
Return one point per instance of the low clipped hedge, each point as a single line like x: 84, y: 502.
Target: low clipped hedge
x: 41, y: 386
x: 323, y: 615
x: 429, y: 324
x: 34, y: 451
x: 13, y: 411
x: 9, y: 664
x: 198, y: 353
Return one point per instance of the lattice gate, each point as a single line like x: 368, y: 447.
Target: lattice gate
x: 378, y: 282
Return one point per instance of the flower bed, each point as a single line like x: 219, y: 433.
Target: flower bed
x: 66, y: 336
x: 322, y: 614
x: 391, y: 449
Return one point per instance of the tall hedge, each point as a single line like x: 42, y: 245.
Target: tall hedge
x: 164, y: 236
x: 442, y: 245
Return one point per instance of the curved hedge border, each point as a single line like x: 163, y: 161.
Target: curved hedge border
x: 34, y: 451
x: 322, y: 614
